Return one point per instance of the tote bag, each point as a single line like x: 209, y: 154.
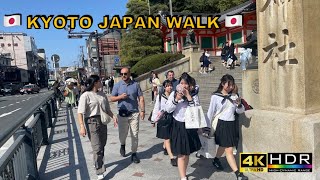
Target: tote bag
x: 195, y: 118
x: 105, y: 118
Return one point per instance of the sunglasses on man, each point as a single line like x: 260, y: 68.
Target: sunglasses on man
x: 123, y: 74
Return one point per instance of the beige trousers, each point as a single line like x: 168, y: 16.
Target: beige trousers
x: 126, y: 123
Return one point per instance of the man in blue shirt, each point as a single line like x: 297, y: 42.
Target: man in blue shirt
x: 130, y: 97
x: 170, y: 77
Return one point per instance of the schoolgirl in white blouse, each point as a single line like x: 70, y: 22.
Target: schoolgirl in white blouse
x: 226, y: 131
x: 183, y: 141
x: 164, y: 132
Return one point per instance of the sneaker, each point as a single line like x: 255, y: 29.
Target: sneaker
x: 174, y: 161
x: 165, y: 152
x: 134, y: 158
x: 241, y: 176
x: 234, y: 150
x: 210, y: 69
x: 216, y: 163
x: 123, y: 150
x: 100, y: 176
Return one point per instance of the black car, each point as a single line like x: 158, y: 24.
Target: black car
x: 11, y: 89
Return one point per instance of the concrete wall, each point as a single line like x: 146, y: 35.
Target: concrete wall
x: 180, y: 66
x: 250, y: 87
x: 269, y: 131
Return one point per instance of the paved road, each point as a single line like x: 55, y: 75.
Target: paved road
x: 14, y: 107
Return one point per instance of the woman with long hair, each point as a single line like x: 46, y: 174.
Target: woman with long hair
x: 226, y: 137
x: 90, y: 120
x: 164, y: 132
x: 155, y: 85
x: 183, y: 141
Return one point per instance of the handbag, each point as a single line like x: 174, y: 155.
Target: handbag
x: 105, y: 118
x: 165, y: 121
x: 195, y: 118
x: 215, y: 120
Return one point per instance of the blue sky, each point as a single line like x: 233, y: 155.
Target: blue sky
x: 55, y: 41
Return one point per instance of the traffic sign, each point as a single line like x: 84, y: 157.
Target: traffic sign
x: 116, y: 60
x: 55, y: 58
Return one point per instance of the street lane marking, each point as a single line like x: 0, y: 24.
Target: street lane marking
x: 3, y: 107
x: 6, y: 114
x: 17, y: 102
x: 10, y: 105
x: 23, y: 100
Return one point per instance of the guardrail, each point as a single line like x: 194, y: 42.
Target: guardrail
x: 20, y: 160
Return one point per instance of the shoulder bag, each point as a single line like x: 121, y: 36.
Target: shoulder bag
x: 105, y: 118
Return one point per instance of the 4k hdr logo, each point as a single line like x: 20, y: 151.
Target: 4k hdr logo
x: 275, y: 162
x: 253, y: 162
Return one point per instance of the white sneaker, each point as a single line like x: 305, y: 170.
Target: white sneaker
x: 234, y: 151
x: 100, y: 177
x: 210, y: 69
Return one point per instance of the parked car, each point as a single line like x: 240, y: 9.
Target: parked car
x: 30, y: 88
x: 2, y: 91
x: 11, y: 89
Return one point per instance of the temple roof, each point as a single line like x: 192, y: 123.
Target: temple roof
x: 245, y: 7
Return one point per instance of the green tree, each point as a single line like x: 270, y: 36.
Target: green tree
x: 136, y: 44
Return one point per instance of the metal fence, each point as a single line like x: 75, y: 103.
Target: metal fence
x: 20, y: 160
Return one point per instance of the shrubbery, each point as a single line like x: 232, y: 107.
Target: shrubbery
x: 153, y: 62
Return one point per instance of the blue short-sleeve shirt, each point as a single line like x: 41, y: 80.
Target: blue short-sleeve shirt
x: 133, y: 90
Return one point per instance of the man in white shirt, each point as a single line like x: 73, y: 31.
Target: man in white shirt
x: 107, y: 85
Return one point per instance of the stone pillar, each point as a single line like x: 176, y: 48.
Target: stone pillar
x: 289, y: 68
x: 193, y: 52
x: 288, y: 120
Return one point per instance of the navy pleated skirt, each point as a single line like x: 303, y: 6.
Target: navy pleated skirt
x: 184, y: 141
x: 226, y: 134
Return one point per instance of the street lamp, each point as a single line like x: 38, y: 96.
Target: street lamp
x: 172, y: 36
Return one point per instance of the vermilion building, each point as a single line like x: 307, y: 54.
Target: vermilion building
x: 212, y: 39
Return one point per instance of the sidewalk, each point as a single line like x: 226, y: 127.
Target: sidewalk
x: 69, y: 156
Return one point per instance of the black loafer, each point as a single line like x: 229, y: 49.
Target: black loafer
x: 174, y: 161
x: 134, y: 158
x: 123, y: 150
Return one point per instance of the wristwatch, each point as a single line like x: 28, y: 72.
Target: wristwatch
x: 142, y: 111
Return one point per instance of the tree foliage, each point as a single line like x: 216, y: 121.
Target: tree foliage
x: 137, y: 44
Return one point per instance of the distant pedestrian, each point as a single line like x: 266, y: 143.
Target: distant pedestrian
x: 111, y: 84
x: 130, y: 98
x: 69, y: 95
x: 170, y: 77
x: 107, y: 85
x: 89, y: 115
x: 155, y: 85
x: 150, y: 82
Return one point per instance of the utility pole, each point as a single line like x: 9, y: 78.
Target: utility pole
x: 98, y: 53
x: 82, y: 56
x: 149, y: 7
x: 172, y: 36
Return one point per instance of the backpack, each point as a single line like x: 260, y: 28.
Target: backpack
x: 202, y: 58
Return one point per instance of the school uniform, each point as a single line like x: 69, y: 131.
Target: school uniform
x: 226, y: 130
x: 162, y: 132
x: 183, y: 141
